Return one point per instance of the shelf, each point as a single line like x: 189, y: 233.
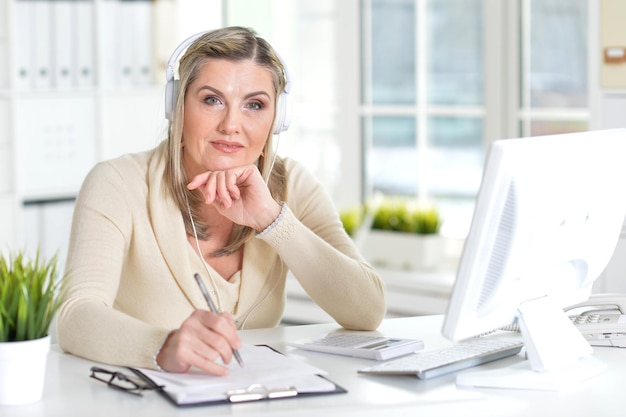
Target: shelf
x: 67, y: 101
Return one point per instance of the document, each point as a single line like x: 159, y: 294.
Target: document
x: 267, y: 374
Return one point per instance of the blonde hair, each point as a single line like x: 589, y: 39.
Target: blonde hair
x: 234, y: 44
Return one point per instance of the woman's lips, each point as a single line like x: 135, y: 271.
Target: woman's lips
x: 227, y: 147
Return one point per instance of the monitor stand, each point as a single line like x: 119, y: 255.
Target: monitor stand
x: 558, y: 354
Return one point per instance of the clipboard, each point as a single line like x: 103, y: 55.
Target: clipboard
x: 287, y: 378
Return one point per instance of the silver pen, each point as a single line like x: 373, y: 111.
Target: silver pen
x: 214, y: 309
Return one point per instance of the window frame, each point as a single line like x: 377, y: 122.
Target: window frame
x: 505, y: 112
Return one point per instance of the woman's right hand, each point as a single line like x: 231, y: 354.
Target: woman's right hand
x: 200, y: 341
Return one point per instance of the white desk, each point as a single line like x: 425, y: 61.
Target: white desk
x: 70, y: 392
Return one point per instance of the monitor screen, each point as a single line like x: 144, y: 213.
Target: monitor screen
x: 548, y: 216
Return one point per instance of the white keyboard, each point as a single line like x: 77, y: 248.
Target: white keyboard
x: 466, y: 354
x: 360, y: 345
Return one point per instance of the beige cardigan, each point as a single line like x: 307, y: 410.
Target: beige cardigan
x: 131, y: 266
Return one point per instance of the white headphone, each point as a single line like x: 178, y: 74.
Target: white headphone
x: 283, y: 109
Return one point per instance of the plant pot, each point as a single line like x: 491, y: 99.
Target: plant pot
x: 23, y: 370
x: 398, y: 250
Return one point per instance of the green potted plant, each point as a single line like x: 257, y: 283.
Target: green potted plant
x: 402, y: 215
x: 30, y: 294
x: 401, y: 234
x: 351, y: 218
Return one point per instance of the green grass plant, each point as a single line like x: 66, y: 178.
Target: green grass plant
x: 30, y: 294
x: 403, y: 215
x: 394, y: 214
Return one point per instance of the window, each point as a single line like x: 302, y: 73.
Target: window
x: 426, y: 116
x: 554, y: 92
x: 437, y: 81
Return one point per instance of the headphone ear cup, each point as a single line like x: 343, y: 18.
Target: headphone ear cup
x: 283, y: 114
x: 170, y: 98
x: 171, y: 88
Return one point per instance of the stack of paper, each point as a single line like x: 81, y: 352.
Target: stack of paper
x: 267, y: 374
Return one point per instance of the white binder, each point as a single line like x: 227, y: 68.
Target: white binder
x: 142, y: 42
x: 126, y: 37
x: 108, y: 39
x: 42, y: 45
x: 84, y: 64
x: 63, y: 75
x: 24, y: 65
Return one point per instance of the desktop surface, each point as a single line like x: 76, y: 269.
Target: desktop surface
x: 70, y: 392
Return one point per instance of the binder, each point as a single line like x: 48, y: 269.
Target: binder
x: 84, y: 63
x: 267, y: 375
x: 142, y: 42
x: 62, y: 12
x: 108, y: 35
x: 24, y: 23
x: 42, y: 45
x: 126, y: 38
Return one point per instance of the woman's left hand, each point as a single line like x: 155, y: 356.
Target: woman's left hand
x: 239, y: 194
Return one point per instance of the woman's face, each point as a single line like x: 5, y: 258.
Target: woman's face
x: 229, y: 112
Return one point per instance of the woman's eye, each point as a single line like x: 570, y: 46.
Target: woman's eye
x: 255, y: 106
x: 212, y: 100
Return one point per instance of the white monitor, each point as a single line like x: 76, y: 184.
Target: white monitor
x: 548, y: 215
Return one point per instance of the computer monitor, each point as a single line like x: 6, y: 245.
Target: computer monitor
x: 548, y: 215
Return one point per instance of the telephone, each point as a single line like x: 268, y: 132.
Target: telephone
x: 601, y: 319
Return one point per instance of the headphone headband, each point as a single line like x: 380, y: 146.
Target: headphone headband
x: 283, y: 110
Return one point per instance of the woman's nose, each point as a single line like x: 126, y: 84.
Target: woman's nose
x: 231, y: 121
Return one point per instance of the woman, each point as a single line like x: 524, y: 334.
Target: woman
x: 144, y: 224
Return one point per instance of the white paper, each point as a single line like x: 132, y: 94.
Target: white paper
x: 263, y: 366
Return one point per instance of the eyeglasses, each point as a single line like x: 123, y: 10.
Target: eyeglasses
x: 121, y: 381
